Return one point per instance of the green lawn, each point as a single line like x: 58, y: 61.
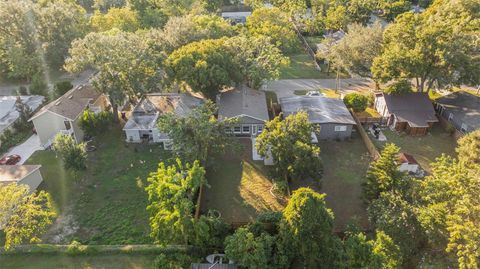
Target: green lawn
x: 38, y: 261
x: 239, y: 188
x: 106, y: 203
x: 313, y: 41
x: 425, y: 149
x: 302, y: 66
x: 345, y: 165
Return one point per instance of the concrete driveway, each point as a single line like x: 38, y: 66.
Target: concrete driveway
x: 286, y: 87
x: 27, y: 148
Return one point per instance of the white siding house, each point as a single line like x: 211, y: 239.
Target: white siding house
x: 21, y: 174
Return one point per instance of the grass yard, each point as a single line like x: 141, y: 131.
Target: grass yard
x: 345, y: 165
x: 106, y: 203
x: 39, y: 261
x: 239, y: 188
x: 368, y: 113
x: 425, y: 149
x: 313, y: 41
x: 302, y: 66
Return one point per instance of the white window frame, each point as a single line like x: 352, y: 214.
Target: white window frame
x: 239, y: 129
x: 260, y: 128
x: 463, y: 127
x: 249, y: 129
x: 340, y: 128
x: 450, y: 116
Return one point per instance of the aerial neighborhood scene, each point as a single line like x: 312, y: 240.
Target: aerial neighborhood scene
x: 249, y: 134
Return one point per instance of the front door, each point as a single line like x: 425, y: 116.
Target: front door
x: 254, y: 130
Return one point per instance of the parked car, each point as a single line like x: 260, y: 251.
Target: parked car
x: 10, y: 160
x: 314, y: 93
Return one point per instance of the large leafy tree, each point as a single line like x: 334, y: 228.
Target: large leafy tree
x: 206, y: 66
x: 258, y: 59
x: 468, y: 149
x: 36, y: 31
x: 275, y: 24
x: 24, y: 215
x: 250, y: 251
x: 392, y: 8
x: 180, y: 31
x: 288, y: 141
x: 435, y: 46
x: 357, y: 50
x: 198, y: 135
x: 306, y: 230
x: 171, y: 191
x: 123, y: 18
x: 383, y: 174
x: 128, y: 64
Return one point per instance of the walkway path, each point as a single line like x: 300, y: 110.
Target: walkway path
x: 27, y: 148
x: 286, y: 87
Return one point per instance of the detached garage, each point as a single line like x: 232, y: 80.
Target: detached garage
x: 329, y: 114
x: 21, y: 174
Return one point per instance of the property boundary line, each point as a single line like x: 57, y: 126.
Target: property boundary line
x: 366, y: 139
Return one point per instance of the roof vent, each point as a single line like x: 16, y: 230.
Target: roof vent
x: 70, y: 97
x: 58, y: 103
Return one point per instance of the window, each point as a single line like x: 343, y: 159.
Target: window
x: 450, y: 117
x: 68, y: 125
x: 237, y: 129
x: 246, y: 128
x: 260, y: 128
x: 340, y: 128
x: 463, y: 128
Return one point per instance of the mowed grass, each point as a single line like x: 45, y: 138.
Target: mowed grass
x: 425, y: 149
x: 302, y: 66
x: 107, y: 202
x: 345, y: 164
x: 239, y: 188
x: 38, y: 261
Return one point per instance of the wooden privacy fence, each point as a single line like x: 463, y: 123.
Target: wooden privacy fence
x: 371, y: 120
x: 366, y: 139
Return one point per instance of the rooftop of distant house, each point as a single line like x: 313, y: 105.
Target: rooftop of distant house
x: 8, y: 111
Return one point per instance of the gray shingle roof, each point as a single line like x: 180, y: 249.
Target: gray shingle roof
x: 414, y: 108
x: 145, y: 114
x: 72, y: 103
x: 466, y: 107
x: 242, y: 101
x: 319, y: 109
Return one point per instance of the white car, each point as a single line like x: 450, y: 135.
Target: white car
x: 314, y: 93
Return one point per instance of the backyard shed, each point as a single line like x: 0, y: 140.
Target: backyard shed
x: 410, y: 112
x: 407, y: 163
x: 330, y: 115
x: 21, y: 174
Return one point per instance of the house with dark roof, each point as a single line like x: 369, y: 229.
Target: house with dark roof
x: 142, y: 123
x: 410, y: 112
x: 330, y: 115
x: 63, y: 114
x: 461, y: 109
x: 248, y: 106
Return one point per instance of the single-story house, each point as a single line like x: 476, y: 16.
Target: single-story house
x: 21, y: 174
x: 248, y: 106
x: 63, y: 114
x: 8, y: 110
x: 329, y: 115
x: 142, y: 123
x: 407, y: 163
x: 409, y: 112
x: 461, y: 109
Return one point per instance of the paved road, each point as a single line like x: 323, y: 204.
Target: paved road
x: 27, y: 148
x: 286, y: 87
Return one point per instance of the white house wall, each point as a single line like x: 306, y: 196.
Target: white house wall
x: 48, y: 125
x: 33, y: 180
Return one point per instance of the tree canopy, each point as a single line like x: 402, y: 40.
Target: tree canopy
x: 24, y: 215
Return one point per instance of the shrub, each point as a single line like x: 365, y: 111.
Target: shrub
x: 38, y: 86
x: 22, y: 90
x: 356, y: 101
x: 399, y: 87
x: 62, y: 87
x: 93, y: 124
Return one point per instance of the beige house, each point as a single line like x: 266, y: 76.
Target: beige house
x: 21, y: 174
x: 63, y: 114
